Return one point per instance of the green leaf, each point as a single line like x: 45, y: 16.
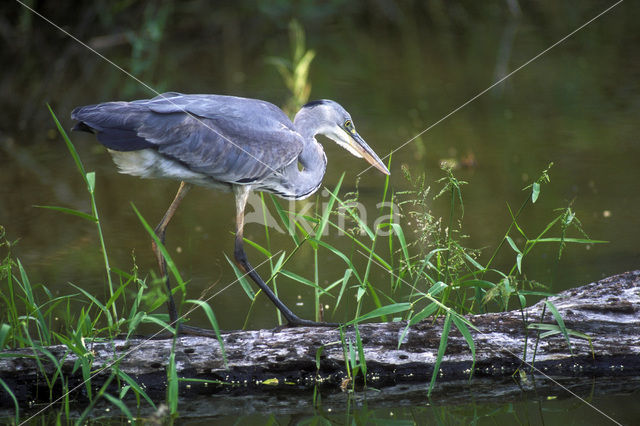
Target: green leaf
x: 285, y: 220
x: 170, y: 263
x: 303, y: 280
x: 354, y: 216
x: 70, y: 147
x: 155, y: 320
x: 91, y: 297
x: 471, y: 260
x: 437, y: 288
x: 460, y: 325
x: 341, y: 256
x: 427, y: 311
x: 568, y: 240
x: 9, y: 392
x: 535, y: 192
x: 397, y: 229
x: 214, y: 323
x: 4, y: 333
x: 345, y: 280
x: 258, y: 247
x: 135, y: 386
x: 327, y: 211
x: 70, y: 211
x: 363, y: 361
x: 477, y: 283
x: 441, y: 350
x: 279, y: 263
x: 512, y: 244
x: 242, y: 278
x: 91, y: 181
x: 172, y: 383
x: 554, y: 329
x: 560, y: 321
x: 430, y: 309
x: 384, y: 310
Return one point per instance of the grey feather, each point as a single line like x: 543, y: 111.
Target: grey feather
x: 227, y: 138
x: 220, y: 141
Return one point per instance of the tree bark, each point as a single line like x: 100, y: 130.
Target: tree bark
x: 608, y: 311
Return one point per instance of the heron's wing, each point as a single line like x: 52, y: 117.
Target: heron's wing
x: 230, y: 139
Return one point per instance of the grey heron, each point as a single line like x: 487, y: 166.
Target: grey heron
x: 226, y: 143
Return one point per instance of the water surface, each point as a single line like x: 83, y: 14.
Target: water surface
x: 397, y: 68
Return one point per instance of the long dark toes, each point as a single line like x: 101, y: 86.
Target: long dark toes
x: 306, y: 323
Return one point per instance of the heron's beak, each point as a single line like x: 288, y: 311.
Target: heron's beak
x: 360, y: 146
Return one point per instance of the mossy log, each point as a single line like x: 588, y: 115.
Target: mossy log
x: 608, y: 311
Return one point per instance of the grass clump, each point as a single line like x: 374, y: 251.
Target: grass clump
x: 433, y: 275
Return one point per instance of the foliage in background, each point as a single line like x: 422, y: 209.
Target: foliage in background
x: 295, y: 72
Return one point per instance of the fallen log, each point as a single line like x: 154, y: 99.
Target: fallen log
x: 608, y: 311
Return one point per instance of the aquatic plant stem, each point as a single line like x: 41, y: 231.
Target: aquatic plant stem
x: 103, y: 248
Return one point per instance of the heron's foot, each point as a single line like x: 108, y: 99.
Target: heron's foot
x: 299, y: 322
x: 188, y: 330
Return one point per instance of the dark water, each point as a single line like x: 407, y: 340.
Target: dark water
x: 398, y: 68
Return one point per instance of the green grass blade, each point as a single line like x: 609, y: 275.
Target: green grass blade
x: 327, y: 211
x: 121, y: 405
x: 555, y: 329
x: 89, y: 408
x: 363, y: 361
x: 242, y: 279
x: 354, y: 216
x: 4, y: 334
x: 384, y: 310
x: 170, y: 263
x: 513, y: 245
x: 397, y: 229
x: 341, y: 256
x: 568, y: 240
x: 460, y: 325
x: 9, y: 392
x: 282, y: 214
x: 477, y: 283
x: 155, y: 320
x: 258, y: 247
x: 172, y: 383
x: 441, y: 350
x: 303, y: 280
x: 74, y: 212
x: 345, y: 281
x: 535, y: 192
x: 560, y: 321
x: 70, y: 147
x: 43, y: 327
x: 214, y: 323
x: 92, y: 298
x: 428, y: 310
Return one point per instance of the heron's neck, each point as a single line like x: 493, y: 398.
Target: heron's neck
x: 312, y: 159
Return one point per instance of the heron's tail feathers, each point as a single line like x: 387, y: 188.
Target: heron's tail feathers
x: 115, y: 123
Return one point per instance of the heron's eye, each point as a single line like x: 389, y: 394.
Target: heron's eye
x: 348, y: 124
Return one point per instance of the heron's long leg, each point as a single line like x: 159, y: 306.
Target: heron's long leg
x: 161, y: 232
x: 242, y: 193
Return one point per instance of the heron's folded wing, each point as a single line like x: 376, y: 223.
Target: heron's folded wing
x: 228, y: 138
x: 226, y: 149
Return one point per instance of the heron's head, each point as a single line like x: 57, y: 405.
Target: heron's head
x: 330, y: 119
